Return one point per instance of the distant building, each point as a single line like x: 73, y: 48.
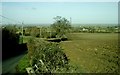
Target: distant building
x: 84, y: 29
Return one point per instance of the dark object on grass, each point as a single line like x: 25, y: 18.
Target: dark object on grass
x: 54, y: 40
x: 64, y: 39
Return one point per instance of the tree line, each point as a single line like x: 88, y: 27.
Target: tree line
x: 96, y: 29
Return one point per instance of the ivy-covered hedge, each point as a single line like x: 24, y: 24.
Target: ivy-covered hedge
x: 10, y: 43
x: 48, y: 57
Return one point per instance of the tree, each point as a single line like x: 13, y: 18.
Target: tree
x: 12, y: 28
x: 10, y: 41
x: 110, y: 29
x: 61, y: 26
x: 35, y: 32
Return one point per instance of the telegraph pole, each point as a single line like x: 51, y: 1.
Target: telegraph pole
x: 50, y: 32
x: 22, y: 31
x: 70, y: 20
x: 22, y: 28
x: 70, y: 23
x: 40, y: 32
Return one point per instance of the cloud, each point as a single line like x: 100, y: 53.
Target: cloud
x: 33, y: 8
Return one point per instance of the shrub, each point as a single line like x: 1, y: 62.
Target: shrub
x: 51, y: 35
x: 10, y: 42
x: 48, y: 57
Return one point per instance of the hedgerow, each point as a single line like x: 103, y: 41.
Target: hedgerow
x: 47, y: 57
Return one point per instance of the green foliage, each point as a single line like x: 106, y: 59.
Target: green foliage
x: 21, y: 40
x: 9, y: 31
x: 61, y: 25
x: 51, y: 35
x: 10, y: 41
x: 96, y: 29
x: 48, y: 57
x: 12, y: 28
x: 35, y: 32
x: 27, y: 31
x: 22, y: 65
x: 31, y: 48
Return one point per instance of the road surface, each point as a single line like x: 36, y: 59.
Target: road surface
x: 8, y: 66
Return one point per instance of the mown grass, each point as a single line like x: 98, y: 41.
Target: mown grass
x: 93, y: 52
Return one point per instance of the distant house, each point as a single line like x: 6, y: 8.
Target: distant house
x: 84, y: 29
x: 116, y: 28
x: 3, y: 27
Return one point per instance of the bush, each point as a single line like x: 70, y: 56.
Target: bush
x: 48, y: 57
x: 64, y: 38
x: 10, y: 42
x: 51, y: 35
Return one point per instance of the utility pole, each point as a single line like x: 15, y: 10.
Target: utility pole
x: 40, y: 32
x: 50, y: 33
x: 22, y: 28
x: 70, y: 20
x: 70, y: 23
x: 22, y: 32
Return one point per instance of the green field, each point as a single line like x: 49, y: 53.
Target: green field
x: 92, y: 52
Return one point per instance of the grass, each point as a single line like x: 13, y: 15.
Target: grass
x: 26, y: 38
x: 92, y: 52
x: 22, y: 65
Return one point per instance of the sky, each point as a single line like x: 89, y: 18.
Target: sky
x: 44, y: 12
x: 60, y: 0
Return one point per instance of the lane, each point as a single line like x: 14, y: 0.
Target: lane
x: 8, y: 66
x: 0, y: 67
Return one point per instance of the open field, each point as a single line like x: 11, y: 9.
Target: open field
x: 92, y: 52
